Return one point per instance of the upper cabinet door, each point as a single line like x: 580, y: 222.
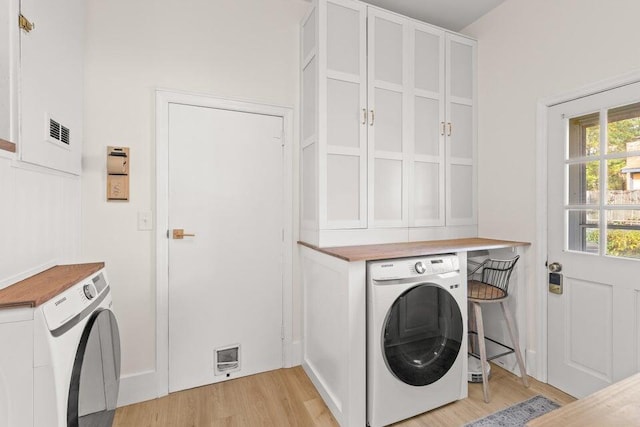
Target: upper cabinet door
x: 389, y: 71
x: 460, y: 130
x: 344, y: 117
x: 427, y: 177
x: 51, y: 84
x: 8, y: 71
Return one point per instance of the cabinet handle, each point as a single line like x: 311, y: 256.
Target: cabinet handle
x: 442, y: 127
x: 364, y: 116
x: 450, y: 129
x: 373, y: 118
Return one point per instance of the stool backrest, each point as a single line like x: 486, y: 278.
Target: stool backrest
x: 496, y: 272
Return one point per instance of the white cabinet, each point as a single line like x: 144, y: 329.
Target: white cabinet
x: 389, y: 138
x: 8, y: 70
x: 51, y: 83
x: 388, y: 128
x: 461, y: 144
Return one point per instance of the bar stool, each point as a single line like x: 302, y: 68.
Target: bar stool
x: 489, y: 283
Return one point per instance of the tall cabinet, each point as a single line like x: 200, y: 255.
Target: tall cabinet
x: 388, y: 128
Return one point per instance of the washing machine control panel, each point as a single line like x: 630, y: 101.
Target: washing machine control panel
x: 70, y: 303
x: 90, y: 291
x: 411, y: 267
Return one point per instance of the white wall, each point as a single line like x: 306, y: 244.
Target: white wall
x: 529, y: 50
x: 39, y: 213
x: 244, y: 49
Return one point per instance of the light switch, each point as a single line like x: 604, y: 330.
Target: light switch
x: 145, y: 221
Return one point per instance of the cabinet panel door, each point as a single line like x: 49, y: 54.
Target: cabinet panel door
x: 388, y: 200
x: 9, y: 55
x: 461, y: 131
x: 343, y: 191
x: 390, y: 129
x: 51, y: 85
x: 426, y: 180
x: 343, y: 126
x: 427, y: 194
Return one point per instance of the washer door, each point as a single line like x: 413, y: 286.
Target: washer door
x: 93, y: 393
x: 422, y: 335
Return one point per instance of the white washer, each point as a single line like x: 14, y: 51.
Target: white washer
x: 416, y: 336
x: 76, y: 357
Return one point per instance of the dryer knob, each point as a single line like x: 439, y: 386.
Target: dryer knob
x: 420, y: 268
x: 90, y: 291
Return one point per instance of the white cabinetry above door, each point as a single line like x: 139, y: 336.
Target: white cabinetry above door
x: 51, y: 84
x: 384, y: 100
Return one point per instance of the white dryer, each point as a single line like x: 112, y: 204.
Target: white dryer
x: 76, y: 357
x: 416, y: 336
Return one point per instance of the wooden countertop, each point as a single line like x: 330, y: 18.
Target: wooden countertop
x: 410, y: 249
x: 38, y: 289
x: 616, y: 405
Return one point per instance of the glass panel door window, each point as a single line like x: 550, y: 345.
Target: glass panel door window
x: 602, y: 200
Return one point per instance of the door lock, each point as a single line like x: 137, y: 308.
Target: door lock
x: 178, y: 233
x: 555, y: 267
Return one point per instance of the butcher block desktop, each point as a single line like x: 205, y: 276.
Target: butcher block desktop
x: 40, y: 288
x: 411, y: 249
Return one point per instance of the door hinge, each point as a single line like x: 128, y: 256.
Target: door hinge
x: 168, y: 234
x: 282, y: 332
x: 25, y: 24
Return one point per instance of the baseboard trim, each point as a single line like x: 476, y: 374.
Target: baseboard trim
x: 531, y: 361
x: 295, y: 354
x: 332, y: 403
x: 138, y: 387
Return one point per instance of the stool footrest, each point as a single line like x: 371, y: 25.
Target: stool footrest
x: 509, y: 350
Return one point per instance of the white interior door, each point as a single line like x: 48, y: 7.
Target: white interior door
x: 225, y: 281
x: 594, y: 236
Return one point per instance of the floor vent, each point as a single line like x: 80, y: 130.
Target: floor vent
x: 226, y: 359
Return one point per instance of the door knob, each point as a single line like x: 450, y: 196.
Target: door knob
x: 178, y: 233
x: 555, y: 267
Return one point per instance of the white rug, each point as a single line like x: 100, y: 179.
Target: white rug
x: 517, y: 415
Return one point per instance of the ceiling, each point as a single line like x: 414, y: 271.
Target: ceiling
x: 450, y: 14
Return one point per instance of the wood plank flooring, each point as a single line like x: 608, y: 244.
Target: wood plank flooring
x: 286, y: 397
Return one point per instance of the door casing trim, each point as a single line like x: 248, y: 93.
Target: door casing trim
x: 163, y: 98
x: 543, y: 106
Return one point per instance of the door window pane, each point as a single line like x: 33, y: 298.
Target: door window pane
x: 584, y: 231
x: 584, y: 136
x: 621, y: 186
x: 584, y: 186
x: 623, y: 233
x: 623, y: 129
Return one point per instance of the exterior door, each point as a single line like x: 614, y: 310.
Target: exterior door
x: 594, y: 240
x: 226, y: 272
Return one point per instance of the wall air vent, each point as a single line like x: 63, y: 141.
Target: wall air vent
x: 57, y: 133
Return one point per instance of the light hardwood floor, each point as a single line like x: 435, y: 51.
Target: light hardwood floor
x: 286, y: 397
